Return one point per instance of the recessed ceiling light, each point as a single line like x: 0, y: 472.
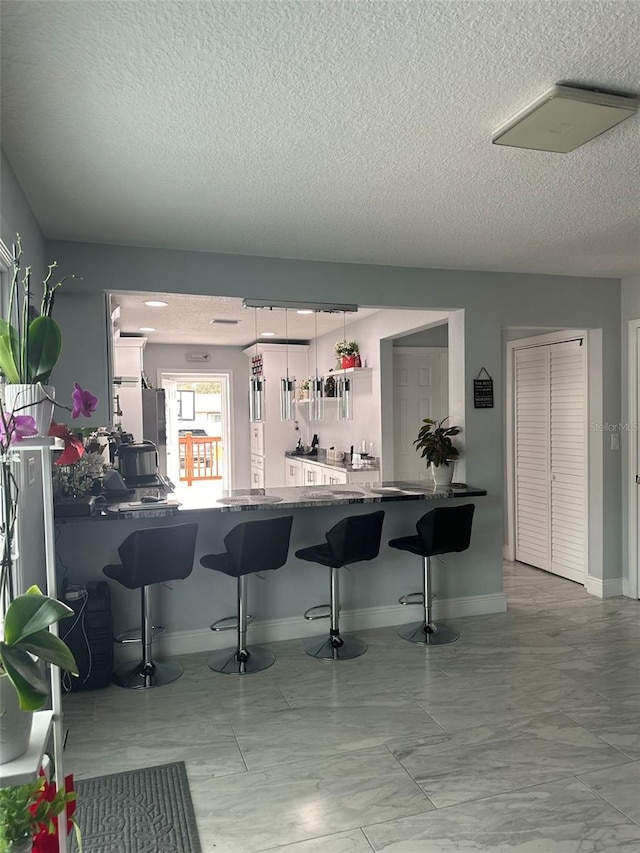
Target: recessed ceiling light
x: 146, y: 329
x: 156, y: 303
x: 267, y: 334
x: 305, y: 311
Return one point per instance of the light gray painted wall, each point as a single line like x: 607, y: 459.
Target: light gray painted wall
x: 438, y: 336
x: 490, y: 300
x: 173, y: 357
x: 630, y: 310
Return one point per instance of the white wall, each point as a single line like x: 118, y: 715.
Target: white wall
x: 630, y: 310
x: 489, y: 301
x: 174, y: 357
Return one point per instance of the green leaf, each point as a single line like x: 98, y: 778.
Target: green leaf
x: 51, y: 649
x: 30, y: 613
x: 43, y: 349
x: 25, y: 675
x: 9, y: 345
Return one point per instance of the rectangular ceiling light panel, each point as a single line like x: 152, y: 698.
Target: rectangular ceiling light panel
x: 563, y: 119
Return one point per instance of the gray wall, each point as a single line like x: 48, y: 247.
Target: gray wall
x: 630, y: 310
x: 438, y: 336
x: 173, y: 357
x: 490, y: 301
x: 16, y: 217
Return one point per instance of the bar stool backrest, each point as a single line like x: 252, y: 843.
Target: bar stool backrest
x: 258, y: 546
x: 446, y: 529
x: 158, y: 554
x: 356, y: 538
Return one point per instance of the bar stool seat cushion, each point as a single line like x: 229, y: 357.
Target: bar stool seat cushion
x: 122, y: 574
x: 322, y: 554
x: 408, y: 543
x: 219, y: 563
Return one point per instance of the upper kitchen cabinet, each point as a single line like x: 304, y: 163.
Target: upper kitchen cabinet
x: 127, y: 384
x: 269, y: 440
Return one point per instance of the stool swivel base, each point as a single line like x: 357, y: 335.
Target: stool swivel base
x: 333, y: 647
x: 149, y: 674
x: 426, y: 633
x: 241, y: 660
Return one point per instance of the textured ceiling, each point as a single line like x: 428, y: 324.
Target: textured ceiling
x: 355, y: 131
x: 186, y: 320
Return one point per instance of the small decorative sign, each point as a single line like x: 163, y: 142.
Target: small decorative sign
x: 483, y: 391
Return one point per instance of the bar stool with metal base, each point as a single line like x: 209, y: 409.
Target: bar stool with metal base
x: 252, y: 547
x: 441, y: 531
x: 151, y: 556
x: 351, y: 540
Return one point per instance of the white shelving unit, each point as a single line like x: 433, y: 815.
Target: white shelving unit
x: 26, y: 766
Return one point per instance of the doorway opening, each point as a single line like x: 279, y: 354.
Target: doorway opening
x: 199, y: 433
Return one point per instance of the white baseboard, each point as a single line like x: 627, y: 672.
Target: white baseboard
x: 296, y: 627
x: 607, y: 588
x: 627, y: 588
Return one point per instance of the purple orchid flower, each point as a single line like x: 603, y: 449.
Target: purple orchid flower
x: 17, y: 427
x: 84, y: 403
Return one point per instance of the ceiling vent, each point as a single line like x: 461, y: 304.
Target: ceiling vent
x: 223, y: 322
x: 564, y: 118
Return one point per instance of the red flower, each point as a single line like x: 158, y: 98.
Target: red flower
x: 45, y: 841
x: 73, y: 446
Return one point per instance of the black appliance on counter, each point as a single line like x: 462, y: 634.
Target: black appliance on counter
x: 138, y: 463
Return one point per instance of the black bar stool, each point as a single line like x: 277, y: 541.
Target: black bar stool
x: 150, y: 556
x: 441, y: 531
x: 351, y: 540
x: 254, y: 546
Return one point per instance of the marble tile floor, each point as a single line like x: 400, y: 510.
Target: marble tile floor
x: 524, y: 735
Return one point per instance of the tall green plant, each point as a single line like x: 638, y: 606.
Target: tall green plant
x: 434, y: 439
x: 29, y: 346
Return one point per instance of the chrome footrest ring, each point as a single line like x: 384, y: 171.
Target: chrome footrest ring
x: 311, y: 615
x: 134, y: 635
x: 412, y: 598
x: 218, y: 626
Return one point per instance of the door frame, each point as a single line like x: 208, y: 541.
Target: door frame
x: 593, y: 581
x: 631, y: 584
x: 191, y: 374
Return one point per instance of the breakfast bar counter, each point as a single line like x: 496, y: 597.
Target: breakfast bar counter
x: 466, y: 583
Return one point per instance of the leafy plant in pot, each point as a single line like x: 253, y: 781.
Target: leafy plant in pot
x: 434, y: 440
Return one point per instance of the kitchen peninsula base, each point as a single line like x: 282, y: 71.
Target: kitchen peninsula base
x: 469, y: 583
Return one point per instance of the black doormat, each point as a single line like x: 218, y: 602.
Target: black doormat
x: 140, y: 811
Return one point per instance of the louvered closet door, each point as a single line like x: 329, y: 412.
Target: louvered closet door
x: 567, y: 381
x: 532, y: 449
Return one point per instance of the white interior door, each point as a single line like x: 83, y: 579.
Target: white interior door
x: 550, y: 431
x: 420, y: 390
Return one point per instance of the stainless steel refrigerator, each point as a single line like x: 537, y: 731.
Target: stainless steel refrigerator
x: 154, y: 423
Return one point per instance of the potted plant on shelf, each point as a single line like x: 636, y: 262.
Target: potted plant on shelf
x: 349, y: 354
x: 303, y: 390
x: 434, y: 440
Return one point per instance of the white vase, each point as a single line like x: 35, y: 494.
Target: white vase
x: 442, y: 474
x: 31, y: 400
x: 15, y: 725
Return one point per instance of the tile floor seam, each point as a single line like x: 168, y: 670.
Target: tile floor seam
x: 602, y: 797
x: 415, y: 782
x: 600, y: 737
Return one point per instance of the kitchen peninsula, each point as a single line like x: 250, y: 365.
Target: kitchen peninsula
x: 369, y: 592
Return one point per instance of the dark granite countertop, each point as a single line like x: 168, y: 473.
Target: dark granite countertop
x: 289, y: 497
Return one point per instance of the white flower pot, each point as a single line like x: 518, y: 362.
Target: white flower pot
x: 31, y: 400
x: 442, y: 474
x: 15, y: 725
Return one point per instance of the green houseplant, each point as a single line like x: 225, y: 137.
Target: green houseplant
x: 434, y: 440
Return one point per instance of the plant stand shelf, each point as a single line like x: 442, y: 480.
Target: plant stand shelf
x: 25, y: 768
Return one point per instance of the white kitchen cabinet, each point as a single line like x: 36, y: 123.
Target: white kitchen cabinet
x: 293, y: 472
x: 333, y: 478
x: 257, y: 438
x: 311, y: 474
x: 271, y: 438
x: 127, y: 380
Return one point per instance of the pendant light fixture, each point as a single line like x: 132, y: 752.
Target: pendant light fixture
x: 256, y: 381
x: 316, y: 385
x: 343, y: 385
x: 287, y: 383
